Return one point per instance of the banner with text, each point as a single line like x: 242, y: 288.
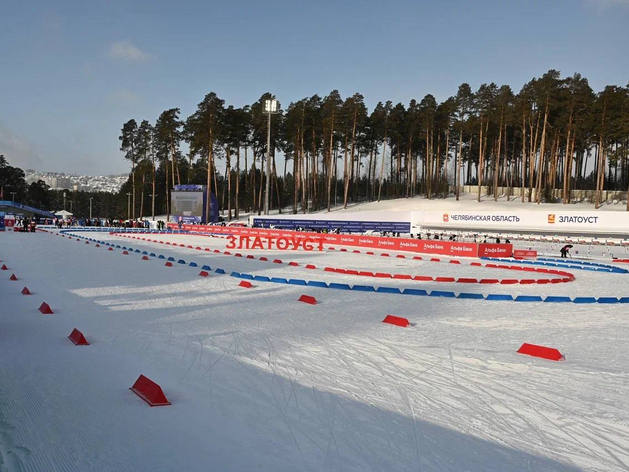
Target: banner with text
x: 445, y: 248
x: 513, y: 221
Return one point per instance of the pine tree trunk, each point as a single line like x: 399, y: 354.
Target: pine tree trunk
x: 228, y: 175
x: 532, y: 155
x: 304, y: 180
x: 296, y: 164
x: 459, y: 176
x: 237, y: 202
x: 345, y: 172
x: 172, y: 158
x: 166, y: 164
x: 384, y: 143
x: 262, y: 180
x: 315, y: 174
x: 480, y: 160
x: 133, y: 185
x: 565, y: 197
x: 523, y: 158
x: 600, y: 178
x: 369, y: 173
x: 277, y: 187
x: 254, y: 205
x: 330, y: 163
x: 427, y: 167
x: 445, y: 163
x: 351, y: 157
x: 142, y: 191
x: 497, y: 159
x: 246, y: 180
x: 210, y: 161
x: 153, y: 194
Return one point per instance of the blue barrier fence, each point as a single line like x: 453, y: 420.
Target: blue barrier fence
x: 404, y: 291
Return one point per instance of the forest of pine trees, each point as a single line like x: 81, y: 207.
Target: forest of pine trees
x: 555, y: 136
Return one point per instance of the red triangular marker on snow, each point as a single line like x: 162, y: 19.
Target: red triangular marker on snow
x: 396, y: 320
x: 26, y: 291
x: 149, y: 391
x: 45, y: 309
x: 541, y: 351
x: 13, y: 277
x: 77, y: 338
x: 308, y: 299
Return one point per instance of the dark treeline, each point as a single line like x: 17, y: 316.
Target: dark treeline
x: 554, y: 136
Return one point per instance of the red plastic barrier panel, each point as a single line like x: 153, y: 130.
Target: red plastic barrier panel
x: 149, y: 391
x: 4, y: 267
x: 77, y: 338
x: 245, y: 284
x: 45, y: 309
x: 396, y: 320
x: 495, y: 250
x: 524, y: 254
x: 541, y: 351
x: 308, y: 299
x: 13, y: 277
x: 203, y: 273
x: 145, y: 258
x: 26, y: 291
x: 403, y: 276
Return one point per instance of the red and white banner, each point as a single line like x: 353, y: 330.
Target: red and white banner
x: 495, y: 250
x: 444, y: 248
x: 524, y: 254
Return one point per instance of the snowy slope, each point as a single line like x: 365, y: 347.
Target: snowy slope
x: 261, y: 382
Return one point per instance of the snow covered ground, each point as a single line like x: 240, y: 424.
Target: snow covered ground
x: 259, y: 381
x: 468, y: 202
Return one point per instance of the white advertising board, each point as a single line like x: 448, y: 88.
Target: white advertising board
x: 557, y: 221
x: 563, y: 222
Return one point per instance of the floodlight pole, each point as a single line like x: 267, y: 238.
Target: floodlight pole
x: 13, y: 195
x: 270, y: 107
x: 91, y: 198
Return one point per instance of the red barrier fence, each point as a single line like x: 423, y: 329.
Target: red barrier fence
x: 524, y: 254
x: 446, y: 248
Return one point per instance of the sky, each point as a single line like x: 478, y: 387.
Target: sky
x: 72, y: 72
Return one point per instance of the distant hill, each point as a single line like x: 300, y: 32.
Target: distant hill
x: 61, y: 181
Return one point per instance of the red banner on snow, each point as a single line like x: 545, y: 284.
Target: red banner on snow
x: 444, y: 248
x: 495, y: 250
x: 524, y: 254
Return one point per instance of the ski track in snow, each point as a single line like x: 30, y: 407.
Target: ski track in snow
x: 261, y: 382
